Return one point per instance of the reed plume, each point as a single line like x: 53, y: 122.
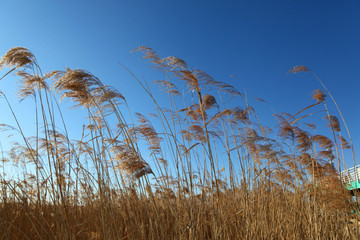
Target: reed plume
x: 203, y: 166
x: 17, y: 57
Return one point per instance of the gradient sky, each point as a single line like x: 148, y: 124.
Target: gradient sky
x: 258, y: 41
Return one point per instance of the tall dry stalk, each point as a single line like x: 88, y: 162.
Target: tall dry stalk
x: 201, y: 167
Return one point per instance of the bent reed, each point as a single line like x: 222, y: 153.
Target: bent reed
x: 201, y: 167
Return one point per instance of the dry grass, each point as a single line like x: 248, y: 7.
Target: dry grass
x: 200, y: 171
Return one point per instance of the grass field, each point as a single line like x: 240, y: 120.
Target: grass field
x: 194, y: 169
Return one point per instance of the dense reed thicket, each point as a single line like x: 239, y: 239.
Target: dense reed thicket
x: 200, y: 167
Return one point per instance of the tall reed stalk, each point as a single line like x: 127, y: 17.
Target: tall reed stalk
x: 200, y: 167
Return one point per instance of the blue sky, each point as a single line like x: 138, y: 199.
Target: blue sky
x: 258, y: 41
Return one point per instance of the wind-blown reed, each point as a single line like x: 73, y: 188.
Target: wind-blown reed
x: 200, y: 167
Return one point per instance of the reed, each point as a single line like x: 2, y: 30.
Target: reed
x: 202, y: 166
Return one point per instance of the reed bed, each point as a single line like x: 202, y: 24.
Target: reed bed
x: 202, y: 166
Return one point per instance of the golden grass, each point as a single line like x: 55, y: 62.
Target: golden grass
x: 208, y: 171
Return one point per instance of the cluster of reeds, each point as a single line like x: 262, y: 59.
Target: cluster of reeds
x: 200, y: 167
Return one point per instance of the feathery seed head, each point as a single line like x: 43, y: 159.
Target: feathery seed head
x: 78, y: 85
x: 319, y: 95
x: 333, y: 123
x: 299, y: 68
x: 208, y: 101
x: 344, y: 143
x: 17, y: 57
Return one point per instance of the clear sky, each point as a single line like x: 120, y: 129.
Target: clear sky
x: 258, y: 41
